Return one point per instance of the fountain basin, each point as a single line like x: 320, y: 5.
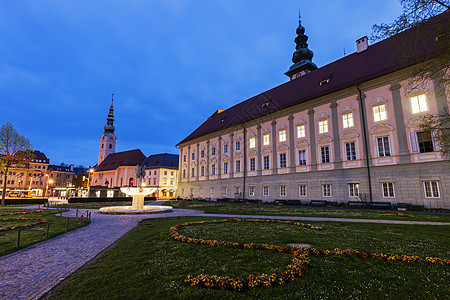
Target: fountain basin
x: 147, y: 209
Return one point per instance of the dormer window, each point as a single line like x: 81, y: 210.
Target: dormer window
x: 266, y: 103
x: 222, y: 120
x: 325, y: 81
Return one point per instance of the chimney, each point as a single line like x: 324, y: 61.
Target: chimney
x: 362, y: 44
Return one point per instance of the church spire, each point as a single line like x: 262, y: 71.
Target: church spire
x: 109, y: 127
x: 302, y: 55
x: 108, y: 138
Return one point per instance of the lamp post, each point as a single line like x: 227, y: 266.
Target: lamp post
x: 89, y: 179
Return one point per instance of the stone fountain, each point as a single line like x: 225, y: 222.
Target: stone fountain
x: 137, y: 193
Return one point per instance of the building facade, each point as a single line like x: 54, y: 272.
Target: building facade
x: 347, y: 131
x: 29, y: 182
x: 116, y: 170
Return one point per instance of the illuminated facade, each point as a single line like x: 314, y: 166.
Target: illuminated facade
x: 342, y: 132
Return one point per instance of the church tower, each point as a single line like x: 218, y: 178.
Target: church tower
x: 302, y: 55
x: 108, y: 139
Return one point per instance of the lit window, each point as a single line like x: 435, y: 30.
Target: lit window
x: 282, y: 135
x: 225, y: 148
x: 350, y: 149
x: 353, y: 189
x: 213, y: 151
x: 252, y: 142
x: 347, y: 120
x: 302, y: 190
x: 238, y: 146
x: 238, y: 166
x: 282, y: 160
x: 213, y: 170
x: 323, y: 126
x: 202, y: 171
x: 252, y: 164
x: 379, y: 113
x: 383, y: 146
x: 326, y: 190
x: 225, y: 168
x: 251, y: 191
x: 425, y: 141
x: 301, y: 131
x: 265, y: 191
x: 325, y: 154
x: 266, y: 164
x: 419, y: 104
x: 388, y: 189
x: 282, y: 190
x: 302, y: 157
x: 266, y: 139
x: 431, y: 189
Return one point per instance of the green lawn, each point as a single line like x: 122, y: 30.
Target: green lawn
x: 325, y: 212
x: 148, y: 264
x: 34, y: 234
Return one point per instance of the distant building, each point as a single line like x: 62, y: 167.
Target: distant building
x: 32, y: 181
x: 61, y: 180
x: 346, y: 130
x: 116, y: 170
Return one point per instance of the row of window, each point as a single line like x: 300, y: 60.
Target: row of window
x: 418, y: 105
x: 424, y: 141
x: 431, y: 190
x: 12, y: 182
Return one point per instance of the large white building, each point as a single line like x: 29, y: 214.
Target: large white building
x: 332, y: 133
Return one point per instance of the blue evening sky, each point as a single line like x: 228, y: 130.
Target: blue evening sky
x: 170, y: 63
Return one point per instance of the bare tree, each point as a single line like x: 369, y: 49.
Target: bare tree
x: 415, y: 12
x: 414, y: 18
x: 439, y: 126
x: 15, y: 152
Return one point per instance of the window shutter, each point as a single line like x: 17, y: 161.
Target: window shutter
x: 435, y: 139
x: 413, y: 140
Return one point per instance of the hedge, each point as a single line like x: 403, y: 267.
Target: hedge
x: 20, y: 201
x: 95, y: 199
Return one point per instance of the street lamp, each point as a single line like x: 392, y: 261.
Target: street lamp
x: 89, y: 178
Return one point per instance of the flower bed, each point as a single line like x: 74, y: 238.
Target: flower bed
x: 297, y: 267
x: 38, y: 221
x: 24, y: 212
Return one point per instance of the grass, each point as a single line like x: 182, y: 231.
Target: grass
x: 324, y: 212
x: 97, y: 205
x: 35, y: 234
x: 147, y: 264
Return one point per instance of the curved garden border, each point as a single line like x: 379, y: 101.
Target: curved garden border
x: 296, y: 268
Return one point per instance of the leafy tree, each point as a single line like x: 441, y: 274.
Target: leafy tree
x: 15, y: 152
x: 436, y: 68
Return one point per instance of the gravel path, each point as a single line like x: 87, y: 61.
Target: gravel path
x: 33, y: 271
